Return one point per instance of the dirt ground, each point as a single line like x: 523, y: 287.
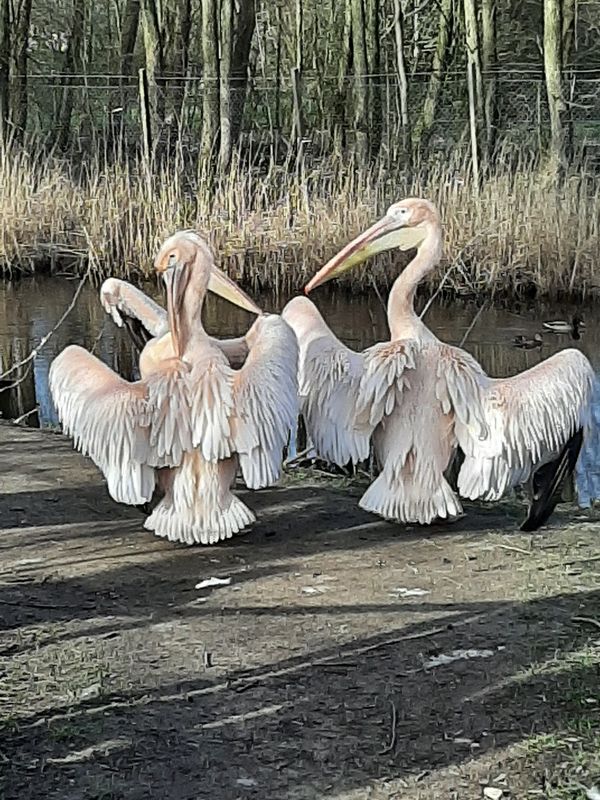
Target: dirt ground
x: 347, y: 657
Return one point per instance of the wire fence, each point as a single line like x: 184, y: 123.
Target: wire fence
x: 107, y: 107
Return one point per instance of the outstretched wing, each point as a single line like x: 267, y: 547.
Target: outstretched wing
x: 266, y: 400
x: 128, y: 305
x: 529, y: 418
x: 108, y: 419
x: 329, y: 376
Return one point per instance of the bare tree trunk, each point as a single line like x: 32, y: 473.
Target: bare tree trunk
x: 374, y: 68
x: 402, y: 79
x: 361, y: 83
x: 488, y: 57
x: 568, y: 41
x: 474, y: 57
x: 210, y: 75
x: 244, y: 26
x: 568, y: 29
x: 176, y: 29
x: 129, y: 29
x: 226, y: 33
x: 426, y: 120
x: 4, y: 67
x: 343, y: 70
x: 20, y: 105
x: 73, y: 63
x: 153, y: 47
x: 278, y: 70
x: 553, y: 72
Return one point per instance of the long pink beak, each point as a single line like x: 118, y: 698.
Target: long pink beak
x: 357, y: 251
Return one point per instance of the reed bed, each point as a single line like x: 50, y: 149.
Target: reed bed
x: 272, y: 228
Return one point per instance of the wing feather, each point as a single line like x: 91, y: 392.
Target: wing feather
x: 383, y: 380
x: 108, y: 419
x: 329, y: 376
x: 266, y: 400
x: 529, y: 418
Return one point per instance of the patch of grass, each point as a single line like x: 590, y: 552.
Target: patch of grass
x: 570, y: 756
x: 274, y: 227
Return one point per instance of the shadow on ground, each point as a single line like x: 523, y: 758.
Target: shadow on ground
x: 348, y: 717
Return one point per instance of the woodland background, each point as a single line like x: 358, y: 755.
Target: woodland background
x: 280, y: 127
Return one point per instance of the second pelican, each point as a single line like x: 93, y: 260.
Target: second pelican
x: 420, y: 399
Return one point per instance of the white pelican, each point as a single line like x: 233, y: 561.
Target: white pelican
x: 191, y: 418
x: 420, y: 399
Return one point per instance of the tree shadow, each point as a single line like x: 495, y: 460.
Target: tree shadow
x: 340, y: 719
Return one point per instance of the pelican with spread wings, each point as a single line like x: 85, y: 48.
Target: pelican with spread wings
x: 192, y: 418
x: 418, y: 399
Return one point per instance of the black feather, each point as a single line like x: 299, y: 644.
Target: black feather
x: 548, y: 482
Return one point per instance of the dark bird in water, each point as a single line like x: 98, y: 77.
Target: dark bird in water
x: 525, y: 343
x: 564, y: 326
x: 548, y: 482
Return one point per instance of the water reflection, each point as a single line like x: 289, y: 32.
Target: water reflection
x: 30, y: 308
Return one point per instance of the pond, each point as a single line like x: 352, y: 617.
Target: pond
x: 29, y: 308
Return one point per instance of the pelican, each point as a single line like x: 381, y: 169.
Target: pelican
x: 191, y: 419
x: 419, y: 400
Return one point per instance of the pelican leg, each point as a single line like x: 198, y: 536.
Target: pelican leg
x: 547, y: 483
x: 164, y: 479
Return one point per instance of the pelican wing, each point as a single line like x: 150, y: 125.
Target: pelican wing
x: 529, y: 418
x: 383, y: 381
x: 211, y: 401
x: 108, y: 419
x: 329, y: 375
x: 460, y: 383
x: 266, y: 400
x: 120, y: 299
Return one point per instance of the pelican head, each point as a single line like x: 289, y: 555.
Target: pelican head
x: 186, y: 250
x: 404, y: 226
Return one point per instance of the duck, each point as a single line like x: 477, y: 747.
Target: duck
x: 564, y: 326
x: 526, y: 343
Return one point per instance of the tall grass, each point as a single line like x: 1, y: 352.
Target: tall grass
x: 273, y: 228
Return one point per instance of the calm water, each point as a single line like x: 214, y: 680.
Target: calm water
x: 30, y: 308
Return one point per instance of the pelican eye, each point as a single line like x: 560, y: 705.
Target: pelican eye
x: 399, y: 212
x: 172, y: 260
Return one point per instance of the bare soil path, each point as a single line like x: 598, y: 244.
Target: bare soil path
x: 346, y: 658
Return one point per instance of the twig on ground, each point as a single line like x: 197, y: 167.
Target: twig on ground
x: 391, y: 745
x: 408, y: 637
x: 298, y: 457
x: 31, y: 604
x: 515, y: 549
x: 587, y: 620
x: 20, y: 419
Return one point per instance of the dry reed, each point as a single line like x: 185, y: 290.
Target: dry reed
x: 273, y: 228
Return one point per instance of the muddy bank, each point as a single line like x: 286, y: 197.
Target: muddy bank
x: 346, y: 658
